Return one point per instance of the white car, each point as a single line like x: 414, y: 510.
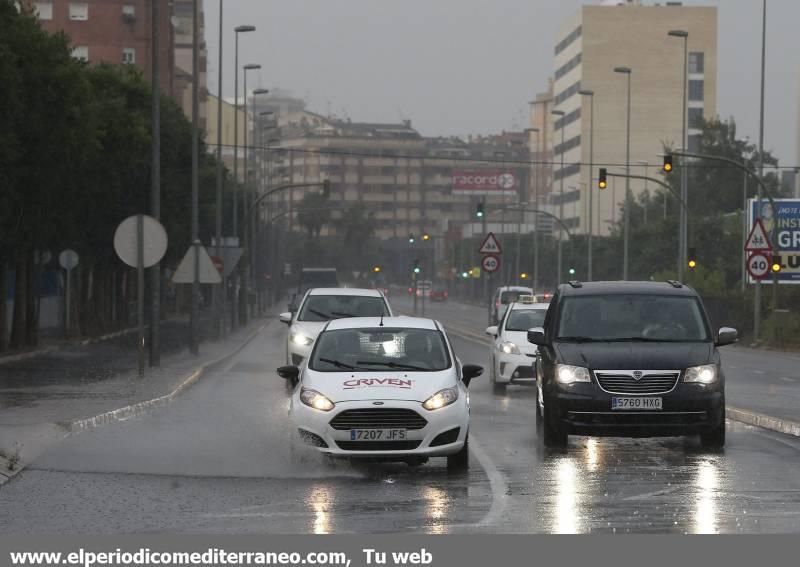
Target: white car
x: 513, y: 357
x: 504, y: 296
x: 320, y: 305
x: 389, y: 388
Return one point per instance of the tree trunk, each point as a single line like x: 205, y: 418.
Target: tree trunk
x: 18, y: 330
x: 31, y: 303
x: 3, y: 304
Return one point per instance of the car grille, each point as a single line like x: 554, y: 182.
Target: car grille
x: 378, y: 445
x: 650, y: 382
x: 378, y: 418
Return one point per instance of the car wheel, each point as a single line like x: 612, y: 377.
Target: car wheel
x: 538, y: 414
x: 459, y: 461
x: 555, y: 435
x: 714, y: 438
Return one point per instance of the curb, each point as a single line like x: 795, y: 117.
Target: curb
x: 785, y: 426
x: 124, y: 413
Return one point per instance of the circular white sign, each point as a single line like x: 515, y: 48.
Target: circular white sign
x: 758, y: 266
x: 490, y: 263
x: 126, y: 242
x: 68, y: 259
x: 506, y: 180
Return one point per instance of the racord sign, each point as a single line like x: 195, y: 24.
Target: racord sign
x: 782, y: 227
x: 485, y: 182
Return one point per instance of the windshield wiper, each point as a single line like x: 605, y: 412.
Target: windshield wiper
x: 338, y: 363
x: 319, y: 313
x: 342, y: 315
x: 641, y: 340
x: 578, y: 339
x: 392, y: 365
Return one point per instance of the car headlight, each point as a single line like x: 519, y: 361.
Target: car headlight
x: 441, y: 399
x: 509, y: 348
x: 300, y: 339
x: 567, y: 374
x: 706, y: 374
x: 314, y: 399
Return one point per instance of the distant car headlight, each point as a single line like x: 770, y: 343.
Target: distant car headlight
x: 706, y: 374
x: 314, y: 399
x: 567, y: 374
x: 441, y: 399
x: 301, y: 340
x: 509, y: 348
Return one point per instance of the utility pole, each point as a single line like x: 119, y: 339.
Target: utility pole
x: 757, y: 298
x: 194, y: 342
x: 155, y: 191
x: 220, y: 296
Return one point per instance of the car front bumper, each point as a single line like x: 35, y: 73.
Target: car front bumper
x: 585, y: 409
x: 418, y: 443
x: 514, y: 368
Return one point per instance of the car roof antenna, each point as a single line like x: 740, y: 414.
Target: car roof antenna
x: 381, y: 323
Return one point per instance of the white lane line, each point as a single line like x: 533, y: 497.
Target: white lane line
x: 786, y: 379
x: 497, y: 483
x: 646, y: 495
x: 758, y: 372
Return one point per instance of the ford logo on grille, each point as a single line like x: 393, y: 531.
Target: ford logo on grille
x: 637, y: 375
x: 377, y: 403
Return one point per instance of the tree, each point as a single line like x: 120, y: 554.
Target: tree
x: 313, y: 214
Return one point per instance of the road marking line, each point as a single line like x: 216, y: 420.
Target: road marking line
x: 786, y: 379
x: 654, y: 493
x: 497, y: 483
x: 758, y: 372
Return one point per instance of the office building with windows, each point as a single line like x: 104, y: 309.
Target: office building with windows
x: 589, y: 46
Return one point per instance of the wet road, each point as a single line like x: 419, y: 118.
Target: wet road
x: 217, y: 461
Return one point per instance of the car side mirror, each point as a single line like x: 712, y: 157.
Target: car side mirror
x: 470, y: 371
x: 289, y: 373
x: 727, y: 336
x: 491, y: 331
x: 536, y: 336
x: 286, y: 318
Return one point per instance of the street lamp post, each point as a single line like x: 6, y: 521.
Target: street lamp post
x: 627, y: 228
x: 646, y: 165
x: 194, y: 339
x: 536, y: 216
x: 560, y: 114
x: 238, y: 30
x: 253, y: 226
x: 590, y: 94
x: 684, y: 219
x: 220, y: 294
x: 246, y: 229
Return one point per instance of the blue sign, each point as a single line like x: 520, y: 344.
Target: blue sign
x: 783, y: 228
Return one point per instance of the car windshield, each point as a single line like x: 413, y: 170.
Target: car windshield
x: 632, y: 318
x: 524, y: 319
x: 507, y: 297
x: 374, y: 349
x: 326, y: 307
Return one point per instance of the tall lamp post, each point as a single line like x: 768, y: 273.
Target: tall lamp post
x: 560, y: 114
x: 627, y: 228
x: 219, y: 295
x: 245, y: 229
x: 683, y: 225
x: 254, y: 223
x: 536, y: 204
x: 590, y: 94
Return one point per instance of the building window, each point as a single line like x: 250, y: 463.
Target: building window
x: 129, y: 56
x: 568, y: 66
x: 568, y: 92
x: 81, y: 53
x: 129, y: 12
x: 696, y: 90
x: 567, y: 41
x: 694, y: 143
x: 44, y: 10
x: 79, y: 11
x: 697, y: 62
x: 695, y: 118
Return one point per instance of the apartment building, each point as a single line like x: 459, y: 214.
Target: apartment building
x: 589, y: 46
x: 183, y: 30
x: 112, y: 31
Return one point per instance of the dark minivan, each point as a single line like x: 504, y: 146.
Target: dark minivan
x: 634, y: 359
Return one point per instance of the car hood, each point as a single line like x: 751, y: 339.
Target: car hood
x: 635, y: 356
x: 308, y: 328
x: 381, y: 385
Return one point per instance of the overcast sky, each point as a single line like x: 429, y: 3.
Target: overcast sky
x: 471, y: 66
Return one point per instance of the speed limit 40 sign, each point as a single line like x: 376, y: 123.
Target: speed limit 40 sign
x: 490, y: 263
x: 758, y: 266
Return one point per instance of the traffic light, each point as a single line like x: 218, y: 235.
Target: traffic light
x: 411, y: 238
x: 667, y: 163
x: 479, y: 212
x: 692, y: 258
x: 326, y: 188
x: 464, y: 275
x: 523, y: 276
x: 376, y: 269
x: 426, y: 236
x: 416, y: 267
x: 572, y: 271
x: 776, y: 263
x: 602, y: 182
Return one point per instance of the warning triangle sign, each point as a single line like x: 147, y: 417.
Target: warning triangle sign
x: 491, y: 245
x: 208, y: 273
x: 758, y: 239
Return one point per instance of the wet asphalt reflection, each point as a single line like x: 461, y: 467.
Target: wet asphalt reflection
x: 218, y: 461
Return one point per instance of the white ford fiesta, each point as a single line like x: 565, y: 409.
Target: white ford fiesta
x: 388, y: 388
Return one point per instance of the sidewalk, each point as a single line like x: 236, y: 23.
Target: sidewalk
x: 45, y: 397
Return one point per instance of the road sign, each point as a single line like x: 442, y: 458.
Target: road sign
x: 68, y: 259
x: 208, y: 273
x: 782, y: 226
x: 491, y: 245
x: 219, y: 263
x: 490, y: 263
x: 758, y: 239
x: 154, y: 240
x: 758, y: 265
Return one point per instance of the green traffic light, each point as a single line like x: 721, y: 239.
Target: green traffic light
x: 572, y: 271
x: 416, y: 270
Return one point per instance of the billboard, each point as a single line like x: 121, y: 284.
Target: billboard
x: 486, y: 182
x: 783, y: 228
